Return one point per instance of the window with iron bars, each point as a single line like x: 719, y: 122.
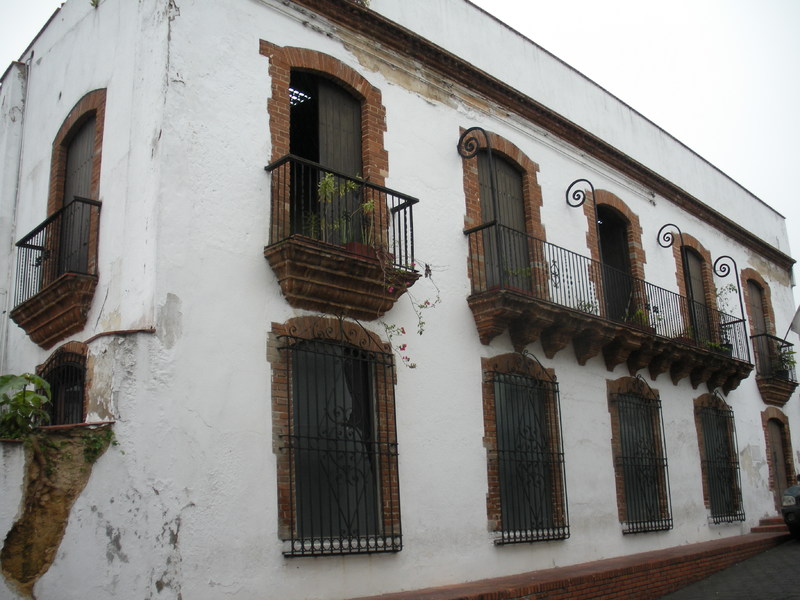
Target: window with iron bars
x: 338, y: 487
x: 66, y: 374
x: 527, y: 500
x: 640, y: 462
x: 719, y: 452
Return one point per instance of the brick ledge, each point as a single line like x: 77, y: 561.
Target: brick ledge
x: 642, y: 576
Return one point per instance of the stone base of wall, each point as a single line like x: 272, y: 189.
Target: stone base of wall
x: 642, y: 576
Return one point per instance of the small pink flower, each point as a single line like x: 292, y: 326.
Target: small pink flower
x: 391, y: 289
x: 403, y: 330
x: 403, y: 347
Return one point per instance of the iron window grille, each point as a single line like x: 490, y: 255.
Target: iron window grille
x: 530, y: 459
x: 66, y: 375
x: 642, y: 461
x: 343, y: 481
x: 720, y: 464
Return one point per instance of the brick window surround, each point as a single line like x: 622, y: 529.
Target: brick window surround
x: 708, y: 280
x: 61, y: 306
x: 774, y: 414
x: 749, y: 274
x: 280, y: 355
x: 660, y: 517
x: 735, y: 510
x: 521, y: 365
x: 92, y: 104
x: 531, y: 190
x: 636, y: 252
x: 74, y: 354
x: 284, y: 59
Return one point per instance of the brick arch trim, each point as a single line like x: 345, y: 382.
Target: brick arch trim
x: 282, y: 59
x: 531, y: 190
x: 708, y: 280
x: 93, y: 103
x: 635, y: 248
x: 774, y: 414
x: 749, y: 274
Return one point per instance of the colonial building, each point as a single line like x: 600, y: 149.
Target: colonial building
x: 372, y: 296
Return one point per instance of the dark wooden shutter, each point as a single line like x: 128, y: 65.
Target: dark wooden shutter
x: 76, y: 218
x: 755, y: 296
x: 80, y: 152
x: 505, y: 245
x: 339, y: 129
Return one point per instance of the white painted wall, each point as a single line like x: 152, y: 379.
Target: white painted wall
x: 186, y: 504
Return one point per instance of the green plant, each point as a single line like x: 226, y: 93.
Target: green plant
x: 334, y: 221
x: 21, y: 409
x: 787, y: 359
x: 94, y: 444
x: 639, y: 317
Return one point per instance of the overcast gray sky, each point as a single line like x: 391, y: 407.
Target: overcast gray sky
x: 722, y: 76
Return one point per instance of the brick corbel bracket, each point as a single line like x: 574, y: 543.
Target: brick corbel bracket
x: 330, y: 279
x: 529, y: 319
x: 59, y: 310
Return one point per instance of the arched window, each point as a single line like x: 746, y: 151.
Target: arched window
x: 506, y: 243
x: 640, y: 456
x: 527, y: 495
x: 696, y: 294
x: 333, y: 407
x: 617, y: 283
x: 716, y: 435
x: 65, y: 371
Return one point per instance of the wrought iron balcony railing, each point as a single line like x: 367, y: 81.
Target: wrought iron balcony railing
x: 363, y: 218
x: 61, y: 244
x: 504, y: 259
x: 775, y: 357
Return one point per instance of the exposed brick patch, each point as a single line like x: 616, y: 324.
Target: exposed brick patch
x: 642, y: 576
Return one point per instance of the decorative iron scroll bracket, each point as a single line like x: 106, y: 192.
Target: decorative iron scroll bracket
x: 576, y: 200
x: 722, y: 269
x: 469, y: 146
x: 665, y: 239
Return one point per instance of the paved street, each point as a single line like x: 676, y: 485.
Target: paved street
x: 771, y: 575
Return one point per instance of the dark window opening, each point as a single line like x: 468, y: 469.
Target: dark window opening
x: 530, y: 460
x: 699, y: 316
x: 73, y: 256
x: 721, y: 464
x: 66, y: 376
x: 643, y: 464
x: 343, y: 457
x: 617, y: 283
x: 325, y: 130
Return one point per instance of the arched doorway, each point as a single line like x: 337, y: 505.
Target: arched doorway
x: 615, y: 257
x: 777, y: 459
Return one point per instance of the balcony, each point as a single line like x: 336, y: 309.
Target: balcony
x: 540, y: 291
x: 339, y: 244
x: 775, y: 372
x: 57, y: 273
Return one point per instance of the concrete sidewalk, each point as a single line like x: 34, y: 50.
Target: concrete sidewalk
x: 770, y: 575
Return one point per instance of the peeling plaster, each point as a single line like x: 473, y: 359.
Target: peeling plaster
x: 170, y: 321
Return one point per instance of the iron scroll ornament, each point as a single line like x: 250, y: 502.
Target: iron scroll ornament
x: 577, y: 198
x: 723, y: 269
x: 468, y: 147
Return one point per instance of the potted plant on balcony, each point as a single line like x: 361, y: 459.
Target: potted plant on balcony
x: 343, y: 221
x: 639, y: 319
x: 784, y: 363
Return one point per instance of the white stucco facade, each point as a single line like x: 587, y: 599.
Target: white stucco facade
x: 186, y: 504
